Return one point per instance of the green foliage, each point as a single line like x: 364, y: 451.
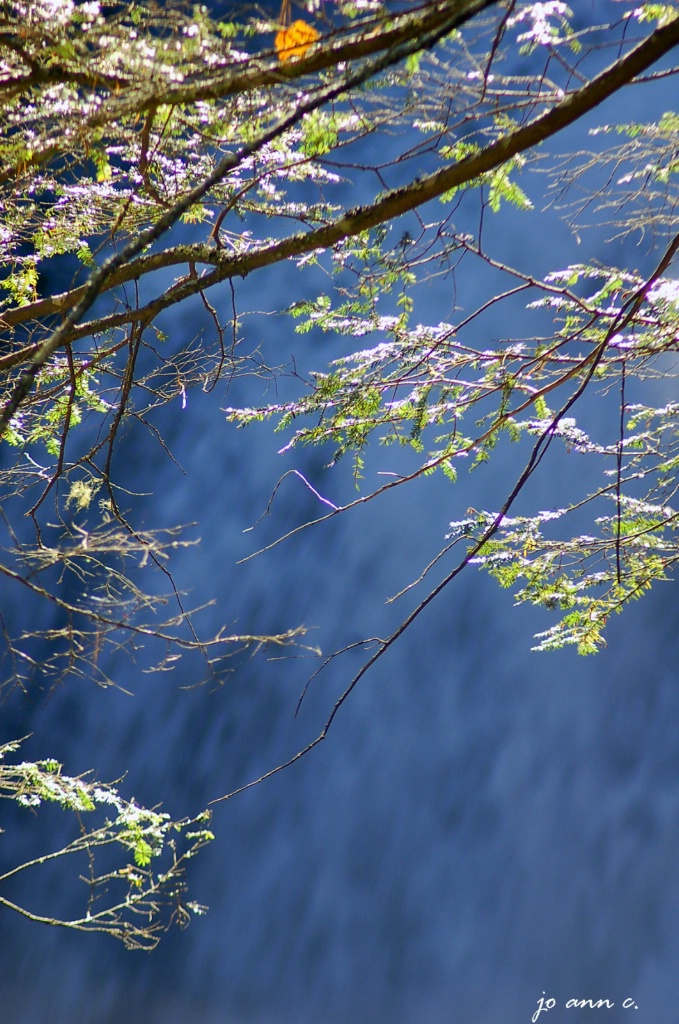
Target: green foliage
x: 408, y: 389
x: 132, y: 889
x: 22, y: 282
x: 587, y: 578
x: 319, y: 134
x: 69, y: 393
x: 660, y: 13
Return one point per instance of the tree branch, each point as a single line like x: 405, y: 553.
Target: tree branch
x: 100, y: 277
x: 393, y: 204
x: 364, y: 41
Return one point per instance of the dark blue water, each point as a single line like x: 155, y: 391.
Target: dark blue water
x: 483, y: 825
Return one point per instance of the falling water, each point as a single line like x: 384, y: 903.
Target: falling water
x: 483, y: 826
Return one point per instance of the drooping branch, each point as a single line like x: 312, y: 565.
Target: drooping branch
x: 587, y: 368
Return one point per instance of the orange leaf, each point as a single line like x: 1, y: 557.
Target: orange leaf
x: 295, y: 40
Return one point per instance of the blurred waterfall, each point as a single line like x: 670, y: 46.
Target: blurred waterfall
x: 482, y: 824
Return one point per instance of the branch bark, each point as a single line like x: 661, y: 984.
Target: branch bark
x: 99, y: 279
x: 395, y: 203
x: 447, y: 15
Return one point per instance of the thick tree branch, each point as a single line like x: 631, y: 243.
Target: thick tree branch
x: 392, y: 205
x: 366, y: 40
x: 99, y: 279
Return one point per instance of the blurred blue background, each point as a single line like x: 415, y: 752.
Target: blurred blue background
x: 482, y: 825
